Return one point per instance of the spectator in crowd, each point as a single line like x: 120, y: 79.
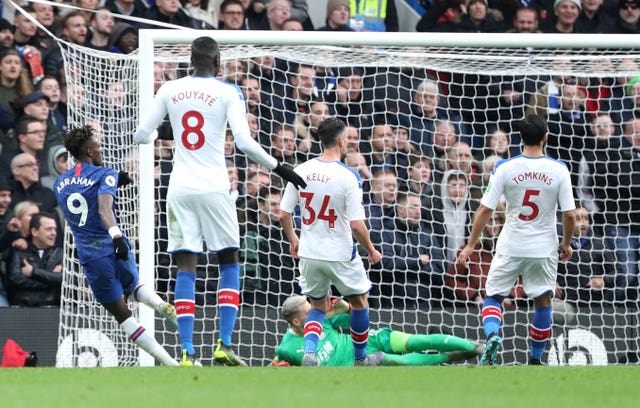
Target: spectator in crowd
x: 8, y: 232
x: 458, y: 157
x: 300, y: 92
x: 35, y: 275
x: 22, y: 213
x: 623, y: 210
x: 567, y: 137
x: 425, y: 112
x: 269, y: 270
x: 348, y: 101
x: 234, y: 70
x: 465, y: 283
x: 479, y: 18
x: 31, y: 139
x: 566, y: 12
x: 14, y: 85
x: 124, y: 38
x: 412, y: 260
x: 497, y: 143
x: 247, y: 204
x: 306, y: 125
x: 169, y: 11
x: 203, y: 10
x: 278, y: 11
x: 292, y: 25
x: 6, y: 33
x: 26, y: 183
x: 382, y: 199
x: 358, y: 162
x: 101, y: 26
x: 441, y: 16
x: 231, y: 15
x: 37, y: 105
x: 132, y: 8
x: 74, y: 28
x: 453, y: 210
x: 373, y: 15
x: 383, y: 149
x: 50, y: 86
x: 480, y: 182
x: 86, y: 8
x: 525, y: 21
x: 58, y: 162
x: 546, y: 99
x: 24, y: 33
x: 283, y: 144
x: 338, y: 15
x: 444, y: 136
x: 628, y: 17
x: 588, y: 276
x: 419, y: 181
x: 594, y: 18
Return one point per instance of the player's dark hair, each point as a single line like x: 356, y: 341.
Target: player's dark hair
x: 532, y: 129
x: 36, y: 220
x: 329, y: 131
x: 205, y: 53
x: 76, y: 139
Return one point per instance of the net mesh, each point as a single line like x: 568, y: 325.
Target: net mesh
x: 404, y: 104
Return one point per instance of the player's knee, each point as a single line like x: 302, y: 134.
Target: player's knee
x: 229, y: 256
x: 543, y: 300
x: 359, y: 302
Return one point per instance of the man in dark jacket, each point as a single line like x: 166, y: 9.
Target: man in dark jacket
x: 34, y: 277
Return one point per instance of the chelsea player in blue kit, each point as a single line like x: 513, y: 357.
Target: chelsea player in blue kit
x: 86, y: 194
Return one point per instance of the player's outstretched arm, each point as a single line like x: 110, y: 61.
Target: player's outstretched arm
x: 568, y: 226
x: 482, y: 217
x: 105, y: 209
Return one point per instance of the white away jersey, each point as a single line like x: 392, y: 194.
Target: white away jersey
x: 533, y: 188
x: 199, y: 108
x: 332, y: 198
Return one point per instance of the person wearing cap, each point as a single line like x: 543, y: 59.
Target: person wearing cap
x: 628, y: 18
x: 479, y: 18
x: 337, y: 16
x: 6, y: 33
x: 566, y: 12
x: 37, y: 104
x: 594, y: 19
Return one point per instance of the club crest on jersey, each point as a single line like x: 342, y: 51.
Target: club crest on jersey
x: 110, y: 181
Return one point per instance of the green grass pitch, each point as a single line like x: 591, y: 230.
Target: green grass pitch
x: 389, y: 387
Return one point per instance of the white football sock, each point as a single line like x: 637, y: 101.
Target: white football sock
x: 145, y: 341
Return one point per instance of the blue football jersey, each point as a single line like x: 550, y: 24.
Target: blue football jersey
x: 77, y: 191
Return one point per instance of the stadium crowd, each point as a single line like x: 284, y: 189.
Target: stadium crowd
x: 423, y: 142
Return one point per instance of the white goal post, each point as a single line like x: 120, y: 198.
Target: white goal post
x: 595, y: 333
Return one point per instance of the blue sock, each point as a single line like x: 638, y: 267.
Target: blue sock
x: 185, y: 303
x: 360, y: 332
x: 312, y: 330
x: 540, y: 331
x: 228, y: 300
x: 491, y: 316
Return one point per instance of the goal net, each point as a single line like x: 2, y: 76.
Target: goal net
x: 423, y: 110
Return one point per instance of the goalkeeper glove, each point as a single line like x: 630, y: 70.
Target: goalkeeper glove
x: 120, y: 248
x: 286, y: 172
x: 124, y: 179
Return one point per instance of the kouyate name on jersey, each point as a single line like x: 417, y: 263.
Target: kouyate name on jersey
x: 193, y: 96
x: 533, y: 175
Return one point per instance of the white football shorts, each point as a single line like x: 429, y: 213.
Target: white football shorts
x: 349, y: 277
x: 194, y: 215
x: 538, y: 275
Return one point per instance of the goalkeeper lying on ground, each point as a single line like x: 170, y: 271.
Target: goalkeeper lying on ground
x: 336, y: 348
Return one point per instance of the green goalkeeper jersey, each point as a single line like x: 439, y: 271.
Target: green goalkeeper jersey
x: 334, y: 347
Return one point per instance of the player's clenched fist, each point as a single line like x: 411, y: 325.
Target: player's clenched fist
x: 120, y: 248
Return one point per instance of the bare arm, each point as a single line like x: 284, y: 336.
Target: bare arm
x: 360, y: 231
x: 483, y: 215
x: 568, y: 226
x: 287, y: 225
x: 105, y: 209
